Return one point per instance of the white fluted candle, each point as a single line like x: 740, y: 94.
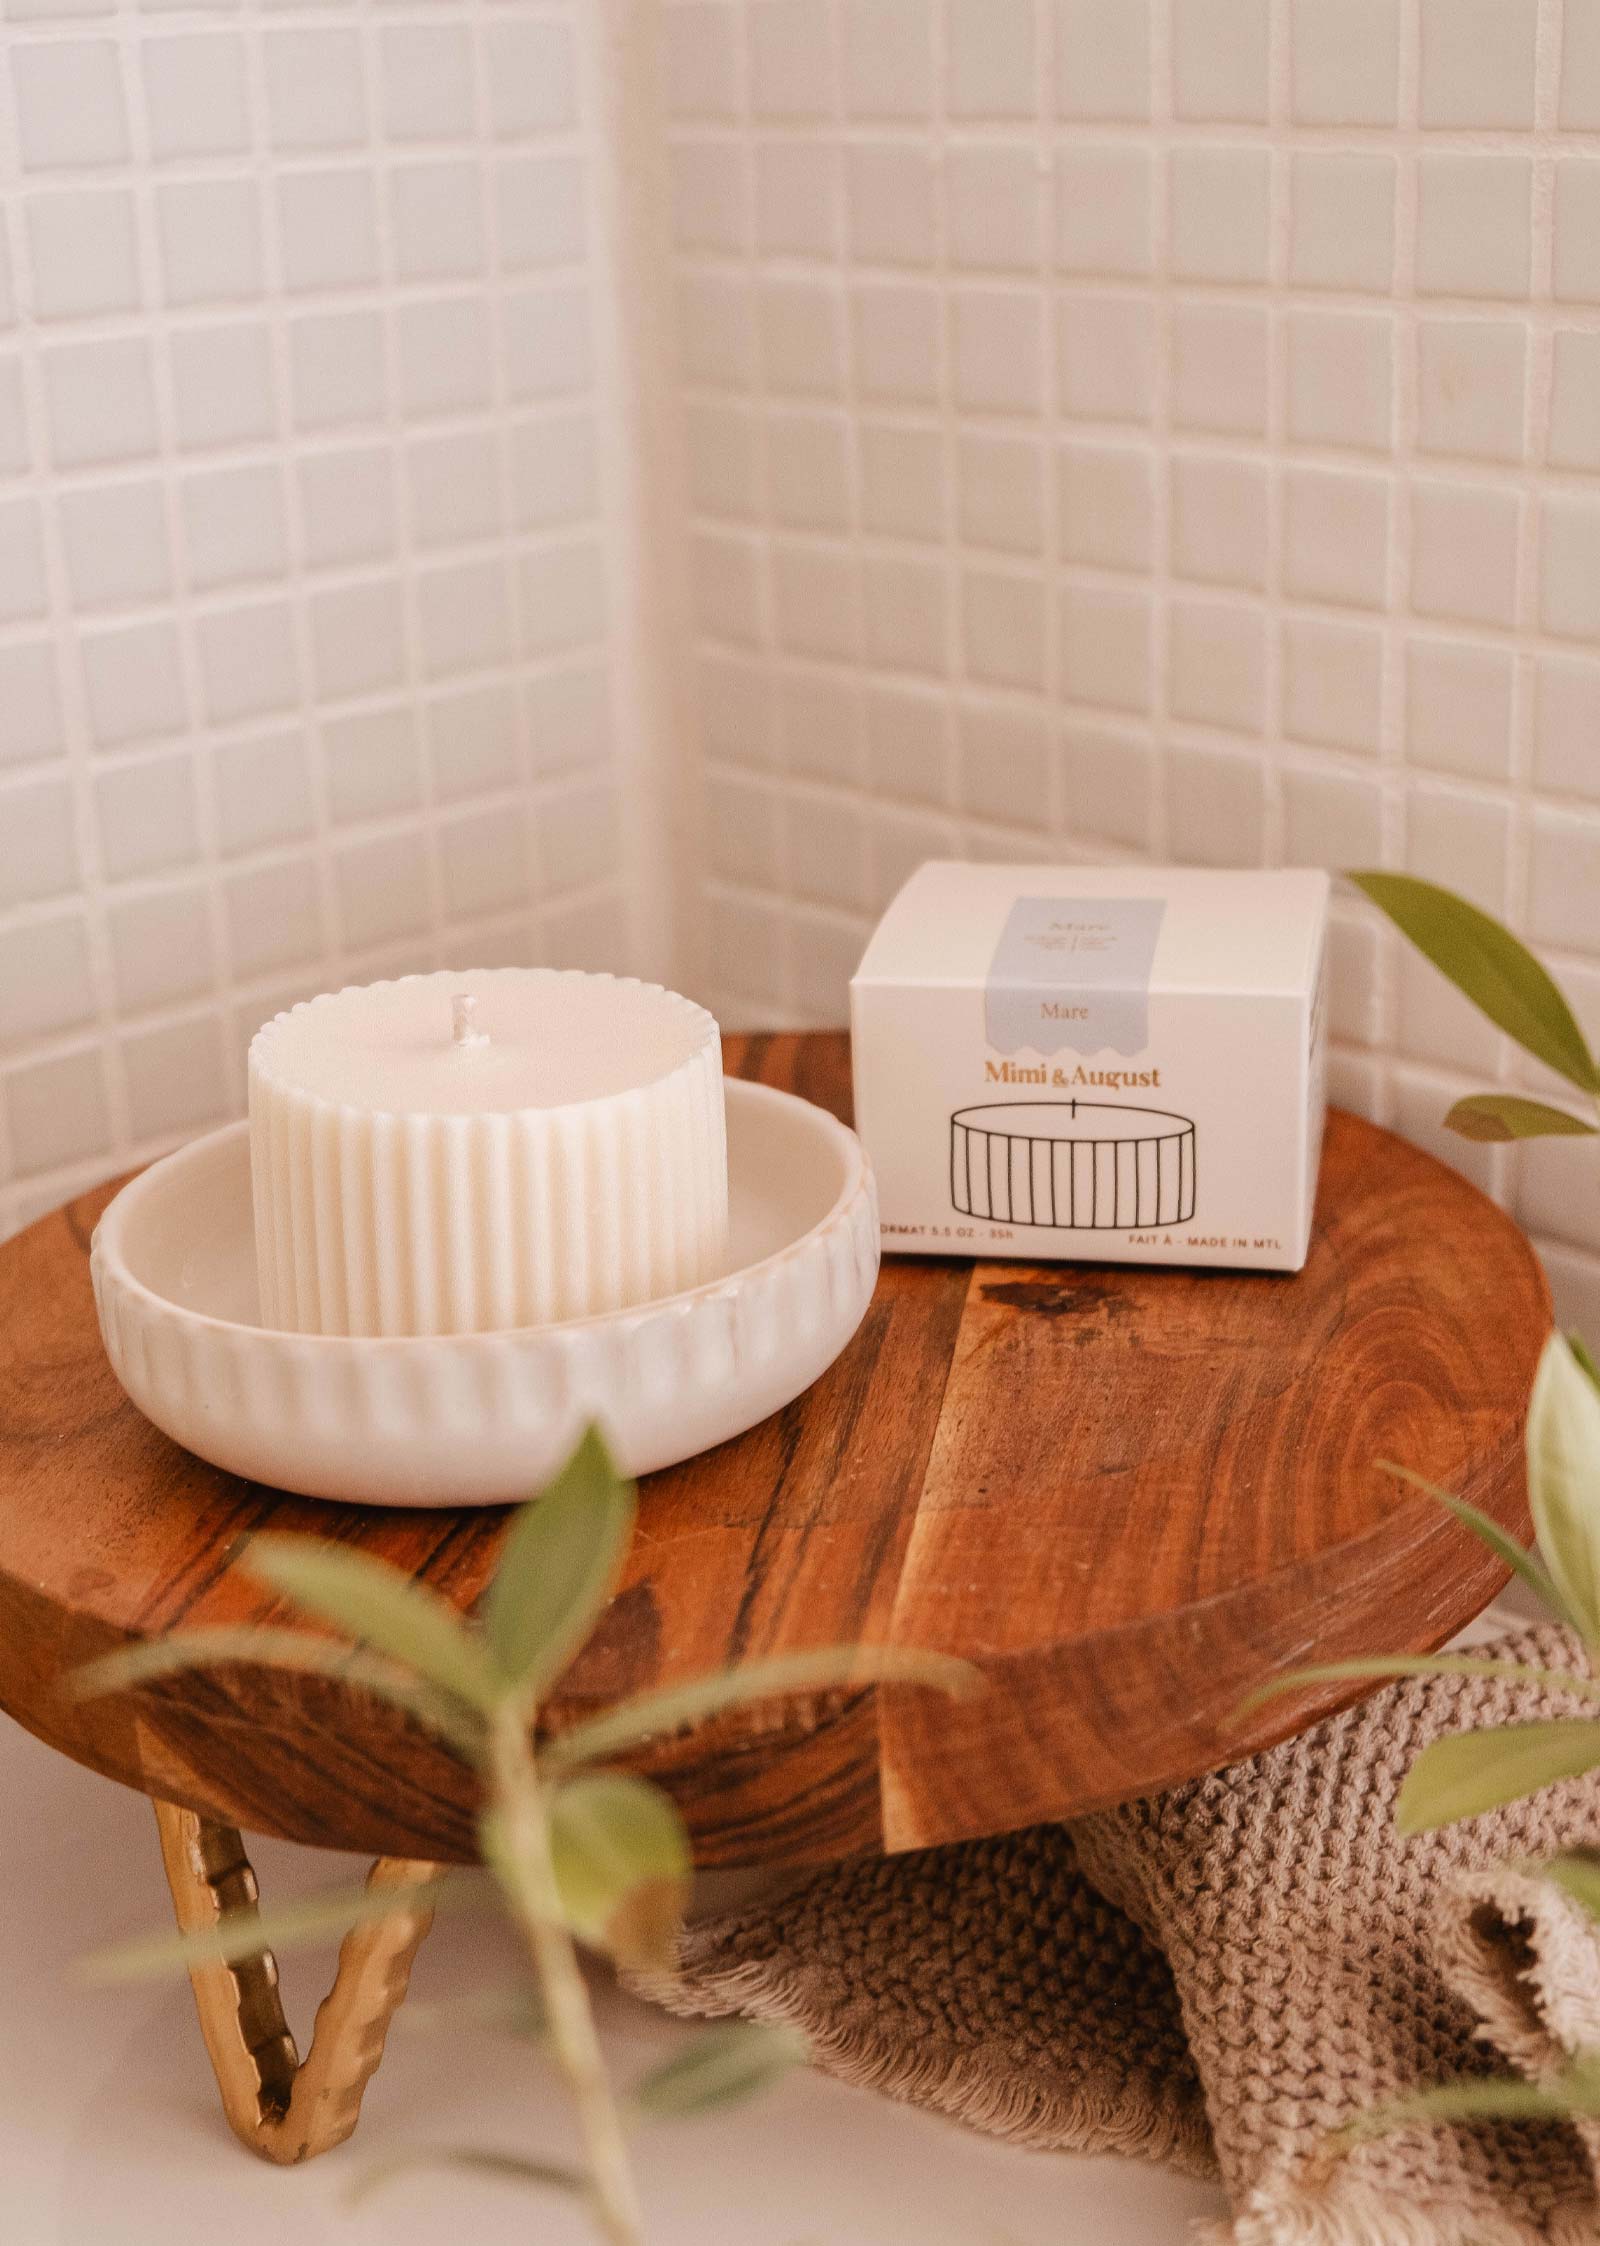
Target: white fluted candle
x: 460, y: 1153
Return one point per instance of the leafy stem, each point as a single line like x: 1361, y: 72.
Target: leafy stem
x: 1464, y: 1774
x: 577, y: 1854
x: 518, y: 1847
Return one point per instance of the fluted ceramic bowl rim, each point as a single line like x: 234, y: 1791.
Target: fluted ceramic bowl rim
x: 109, y: 1257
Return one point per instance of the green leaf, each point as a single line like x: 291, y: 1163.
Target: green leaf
x: 1381, y: 1665
x: 1485, y: 961
x: 1471, y: 1771
x: 1577, y: 1875
x: 377, y: 1604
x: 513, y: 2010
x: 1564, y: 1480
x: 1503, y: 2098
x: 503, y: 2167
x: 1580, y: 1350
x: 623, y: 1865
x: 647, y: 1716
x: 1522, y: 1563
x: 1498, y: 1116
x: 281, y: 1649
x: 246, y: 1933
x: 558, y: 1567
x: 718, y: 2068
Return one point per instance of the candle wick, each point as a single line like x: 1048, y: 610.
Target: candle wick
x: 463, y: 1028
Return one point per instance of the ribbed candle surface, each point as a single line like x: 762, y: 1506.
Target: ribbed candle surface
x: 459, y: 1153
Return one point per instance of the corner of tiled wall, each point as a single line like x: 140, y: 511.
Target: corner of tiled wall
x: 1073, y: 428
x: 1153, y: 428
x: 312, y: 559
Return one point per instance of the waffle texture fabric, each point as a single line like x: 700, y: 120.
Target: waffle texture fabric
x: 1222, y: 1975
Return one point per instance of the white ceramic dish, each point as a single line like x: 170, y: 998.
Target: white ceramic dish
x: 482, y: 1419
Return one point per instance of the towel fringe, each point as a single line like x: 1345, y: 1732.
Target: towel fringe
x: 971, y: 2090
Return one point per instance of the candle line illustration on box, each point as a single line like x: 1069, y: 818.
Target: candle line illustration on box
x: 1044, y: 1056
x: 1074, y: 1165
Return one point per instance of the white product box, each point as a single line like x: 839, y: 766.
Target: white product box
x: 1111, y: 1063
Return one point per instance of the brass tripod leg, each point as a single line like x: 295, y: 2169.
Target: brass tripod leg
x: 285, y: 2108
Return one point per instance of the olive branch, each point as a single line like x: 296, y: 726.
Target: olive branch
x: 580, y: 1854
x: 1466, y: 1773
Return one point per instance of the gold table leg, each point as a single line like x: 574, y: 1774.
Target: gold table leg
x: 284, y: 2108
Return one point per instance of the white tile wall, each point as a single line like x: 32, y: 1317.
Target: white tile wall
x: 310, y: 561
x: 1088, y: 427
x: 1151, y: 427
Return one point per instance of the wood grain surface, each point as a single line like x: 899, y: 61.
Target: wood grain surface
x: 1127, y: 1495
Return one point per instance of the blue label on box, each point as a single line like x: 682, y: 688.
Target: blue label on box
x: 1072, y: 974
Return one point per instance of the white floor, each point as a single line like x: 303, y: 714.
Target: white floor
x: 110, y: 2133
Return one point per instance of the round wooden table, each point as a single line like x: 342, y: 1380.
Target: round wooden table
x: 1127, y: 1495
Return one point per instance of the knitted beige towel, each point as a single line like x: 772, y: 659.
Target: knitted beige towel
x: 1221, y: 1976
